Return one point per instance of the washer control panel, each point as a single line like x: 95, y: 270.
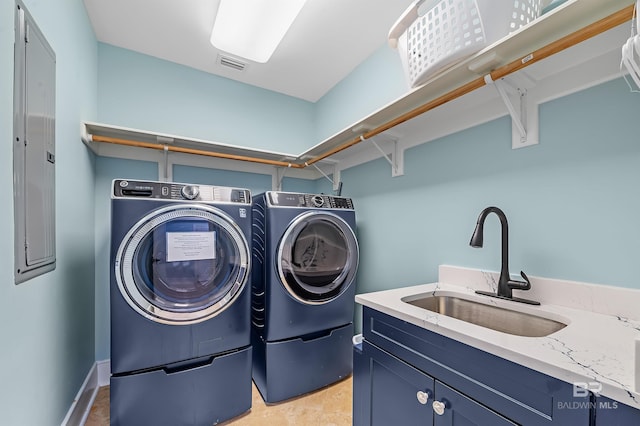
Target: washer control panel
x: 190, y: 192
x: 123, y: 188
x: 318, y: 201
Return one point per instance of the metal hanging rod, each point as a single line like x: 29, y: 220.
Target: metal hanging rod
x: 557, y: 46
x: 592, y: 30
x: 161, y: 147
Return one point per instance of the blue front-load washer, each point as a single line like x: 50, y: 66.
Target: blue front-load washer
x: 180, y: 303
x: 305, y: 258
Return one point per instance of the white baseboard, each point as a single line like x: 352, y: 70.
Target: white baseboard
x: 79, y: 411
x: 104, y: 372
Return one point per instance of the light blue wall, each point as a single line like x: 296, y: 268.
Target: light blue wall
x: 299, y: 185
x: 47, y: 323
x: 571, y: 201
x: 147, y: 93
x: 253, y: 181
x: 374, y: 83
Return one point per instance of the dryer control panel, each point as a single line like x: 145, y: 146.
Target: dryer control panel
x: 318, y: 201
x: 123, y: 188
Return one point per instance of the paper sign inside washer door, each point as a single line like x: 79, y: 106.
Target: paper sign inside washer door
x: 185, y: 246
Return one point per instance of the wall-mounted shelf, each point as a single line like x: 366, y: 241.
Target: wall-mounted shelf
x: 93, y: 133
x: 567, y: 25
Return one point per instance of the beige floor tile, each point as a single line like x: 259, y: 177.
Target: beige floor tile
x: 99, y: 414
x: 330, y: 406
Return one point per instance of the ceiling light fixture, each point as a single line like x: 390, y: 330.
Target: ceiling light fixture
x: 252, y: 29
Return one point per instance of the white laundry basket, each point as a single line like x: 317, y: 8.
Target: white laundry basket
x: 631, y: 53
x: 432, y: 34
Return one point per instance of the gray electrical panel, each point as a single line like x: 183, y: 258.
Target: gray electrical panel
x: 33, y: 149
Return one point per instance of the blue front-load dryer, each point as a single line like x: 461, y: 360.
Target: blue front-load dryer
x: 305, y: 258
x: 180, y: 303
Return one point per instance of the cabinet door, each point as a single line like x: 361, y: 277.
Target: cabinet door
x: 400, y: 394
x: 452, y: 408
x: 521, y: 394
x: 613, y: 413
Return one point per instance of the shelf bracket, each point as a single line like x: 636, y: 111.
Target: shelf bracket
x: 166, y: 174
x: 524, y: 117
x: 276, y: 181
x: 337, y: 180
x: 336, y: 184
x: 395, y: 159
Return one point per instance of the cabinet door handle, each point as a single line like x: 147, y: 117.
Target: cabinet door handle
x: 423, y: 397
x: 438, y: 407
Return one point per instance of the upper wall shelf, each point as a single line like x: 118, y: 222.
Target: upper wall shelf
x: 517, y: 50
x: 565, y: 26
x: 96, y: 132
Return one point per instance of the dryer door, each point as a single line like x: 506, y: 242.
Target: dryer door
x: 317, y: 257
x: 182, y: 264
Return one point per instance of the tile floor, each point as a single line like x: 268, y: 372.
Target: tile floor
x: 330, y: 406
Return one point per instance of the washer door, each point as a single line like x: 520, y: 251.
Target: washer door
x: 317, y: 257
x: 182, y: 264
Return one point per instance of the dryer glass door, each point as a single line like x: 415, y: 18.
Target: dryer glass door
x: 317, y: 257
x: 182, y: 265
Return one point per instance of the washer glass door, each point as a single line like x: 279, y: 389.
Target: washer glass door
x: 317, y: 257
x: 182, y: 265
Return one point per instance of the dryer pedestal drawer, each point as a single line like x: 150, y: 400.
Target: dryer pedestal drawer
x: 289, y: 368
x: 207, y: 393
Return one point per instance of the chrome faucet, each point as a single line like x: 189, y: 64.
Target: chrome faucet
x: 505, y: 283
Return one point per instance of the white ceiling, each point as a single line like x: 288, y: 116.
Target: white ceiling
x: 327, y: 41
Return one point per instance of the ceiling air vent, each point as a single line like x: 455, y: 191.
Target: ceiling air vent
x: 230, y: 62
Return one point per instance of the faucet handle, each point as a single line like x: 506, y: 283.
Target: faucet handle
x: 520, y: 285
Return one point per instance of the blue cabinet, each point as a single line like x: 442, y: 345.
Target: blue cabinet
x: 613, y: 413
x: 402, y: 370
x: 402, y: 395
x: 458, y: 410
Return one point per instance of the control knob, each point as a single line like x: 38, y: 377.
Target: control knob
x: 317, y: 201
x: 190, y: 192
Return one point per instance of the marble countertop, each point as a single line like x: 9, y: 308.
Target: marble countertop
x: 598, y: 346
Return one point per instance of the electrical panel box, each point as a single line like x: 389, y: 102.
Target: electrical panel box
x: 33, y: 149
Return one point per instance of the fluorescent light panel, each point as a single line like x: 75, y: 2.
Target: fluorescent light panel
x: 252, y: 29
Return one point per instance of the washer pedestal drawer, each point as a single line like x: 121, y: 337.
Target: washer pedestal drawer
x: 293, y: 367
x: 202, y: 391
